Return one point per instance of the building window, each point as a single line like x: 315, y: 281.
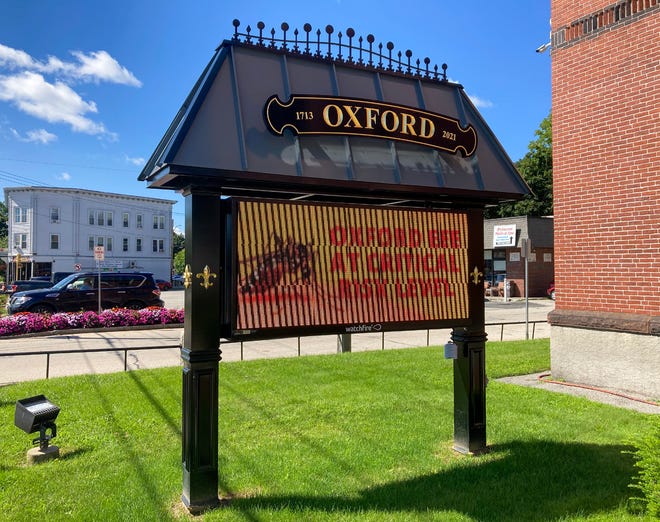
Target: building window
x: 20, y: 241
x: 108, y: 244
x: 54, y: 241
x: 158, y: 245
x: 159, y: 222
x: 100, y: 218
x: 125, y: 219
x: 124, y: 244
x: 98, y: 241
x: 54, y: 215
x: 138, y: 221
x: 20, y: 215
x: 138, y: 244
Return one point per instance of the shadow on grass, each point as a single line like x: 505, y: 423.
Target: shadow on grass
x: 533, y: 481
x: 73, y: 454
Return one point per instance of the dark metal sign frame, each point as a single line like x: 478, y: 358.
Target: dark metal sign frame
x: 301, y: 268
x: 219, y: 144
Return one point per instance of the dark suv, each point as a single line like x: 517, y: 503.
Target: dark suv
x: 79, y: 291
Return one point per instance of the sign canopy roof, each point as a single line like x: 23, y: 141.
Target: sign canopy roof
x: 314, y: 117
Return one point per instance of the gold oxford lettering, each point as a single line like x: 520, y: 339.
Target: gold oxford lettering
x: 373, y: 118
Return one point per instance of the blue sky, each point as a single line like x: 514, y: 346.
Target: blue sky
x: 87, y: 89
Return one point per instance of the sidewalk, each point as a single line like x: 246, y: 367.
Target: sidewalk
x: 120, y: 344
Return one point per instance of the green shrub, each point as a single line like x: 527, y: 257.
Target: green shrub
x: 647, y: 460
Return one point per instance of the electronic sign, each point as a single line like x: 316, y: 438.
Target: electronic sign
x: 321, y: 268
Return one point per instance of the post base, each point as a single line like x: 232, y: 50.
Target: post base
x: 37, y: 455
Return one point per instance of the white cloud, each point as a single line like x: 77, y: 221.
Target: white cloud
x: 100, y: 66
x: 41, y: 136
x: 481, y: 103
x: 13, y: 58
x: 27, y: 85
x: 55, y: 103
x: 135, y: 161
x: 35, y: 136
x: 65, y: 176
x: 96, y: 66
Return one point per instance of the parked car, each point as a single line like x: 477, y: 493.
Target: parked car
x: 80, y: 292
x: 21, y: 285
x: 163, y: 284
x: 58, y: 276
x: 40, y: 278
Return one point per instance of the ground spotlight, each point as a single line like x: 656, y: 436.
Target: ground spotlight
x: 38, y: 414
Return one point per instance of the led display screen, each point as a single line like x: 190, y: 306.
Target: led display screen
x: 347, y: 268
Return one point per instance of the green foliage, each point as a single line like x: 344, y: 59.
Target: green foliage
x: 178, y: 242
x: 4, y: 226
x: 351, y: 437
x: 179, y: 262
x: 536, y: 169
x: 647, y: 460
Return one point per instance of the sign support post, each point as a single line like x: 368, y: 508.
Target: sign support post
x: 470, y: 365
x: 99, y: 255
x: 200, y: 352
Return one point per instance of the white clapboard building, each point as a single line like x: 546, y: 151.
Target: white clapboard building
x: 59, y: 230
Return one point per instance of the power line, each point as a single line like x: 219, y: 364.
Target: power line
x: 55, y: 164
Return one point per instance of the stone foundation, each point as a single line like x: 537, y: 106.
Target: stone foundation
x: 620, y: 351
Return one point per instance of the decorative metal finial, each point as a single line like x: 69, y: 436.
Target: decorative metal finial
x: 307, y: 28
x: 329, y: 29
x: 206, y: 276
x: 187, y: 276
x: 285, y: 28
x: 476, y: 275
x: 399, y: 63
x: 350, y: 32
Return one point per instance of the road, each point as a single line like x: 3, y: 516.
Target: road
x: 25, y: 368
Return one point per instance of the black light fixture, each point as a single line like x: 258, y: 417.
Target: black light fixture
x: 38, y: 414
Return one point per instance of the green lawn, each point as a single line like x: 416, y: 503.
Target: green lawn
x: 364, y: 436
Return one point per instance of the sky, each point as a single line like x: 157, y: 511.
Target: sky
x: 88, y: 89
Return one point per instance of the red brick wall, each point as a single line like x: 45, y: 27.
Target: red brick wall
x: 540, y: 273
x: 606, y: 154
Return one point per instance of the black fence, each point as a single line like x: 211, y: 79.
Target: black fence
x: 243, y: 345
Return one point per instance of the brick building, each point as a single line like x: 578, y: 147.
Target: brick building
x: 606, y: 165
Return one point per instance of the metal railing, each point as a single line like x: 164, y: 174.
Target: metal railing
x: 125, y: 350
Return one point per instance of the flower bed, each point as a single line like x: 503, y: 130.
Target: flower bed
x: 26, y: 323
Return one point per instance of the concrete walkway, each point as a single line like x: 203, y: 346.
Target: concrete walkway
x: 619, y: 398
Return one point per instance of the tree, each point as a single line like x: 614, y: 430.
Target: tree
x: 179, y: 262
x: 4, y: 227
x: 178, y: 242
x: 536, y: 169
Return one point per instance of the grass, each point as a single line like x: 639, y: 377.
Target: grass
x: 364, y: 436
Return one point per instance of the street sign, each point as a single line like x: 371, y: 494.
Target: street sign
x: 99, y: 253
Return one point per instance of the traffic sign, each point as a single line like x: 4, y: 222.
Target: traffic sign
x: 99, y: 253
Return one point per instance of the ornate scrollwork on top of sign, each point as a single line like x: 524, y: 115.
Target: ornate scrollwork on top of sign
x: 363, y: 55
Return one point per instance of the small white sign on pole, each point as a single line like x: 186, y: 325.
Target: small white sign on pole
x: 99, y: 253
